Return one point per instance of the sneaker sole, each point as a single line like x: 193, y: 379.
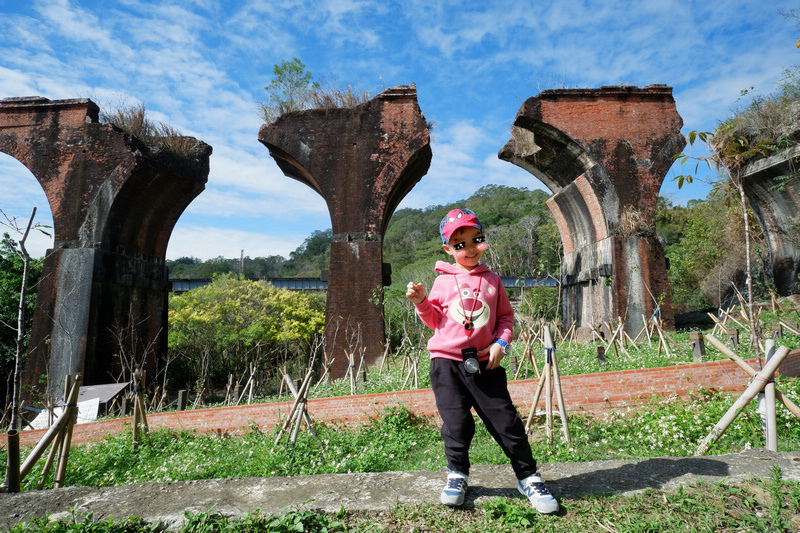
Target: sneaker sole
x: 549, y: 510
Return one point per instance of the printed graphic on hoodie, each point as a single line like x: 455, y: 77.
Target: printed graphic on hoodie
x: 468, y: 308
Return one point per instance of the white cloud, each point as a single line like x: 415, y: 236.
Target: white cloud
x: 210, y: 242
x: 201, y: 66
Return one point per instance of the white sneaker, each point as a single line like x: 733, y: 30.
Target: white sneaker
x: 455, y: 489
x: 541, y: 499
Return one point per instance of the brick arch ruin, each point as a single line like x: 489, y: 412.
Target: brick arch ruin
x: 362, y: 161
x: 115, y: 202
x: 776, y: 209
x: 604, y: 154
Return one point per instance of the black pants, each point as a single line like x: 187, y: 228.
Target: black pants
x: 456, y: 392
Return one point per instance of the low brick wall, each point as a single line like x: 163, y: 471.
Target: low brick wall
x: 582, y: 393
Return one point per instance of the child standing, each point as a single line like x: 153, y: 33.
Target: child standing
x: 472, y: 319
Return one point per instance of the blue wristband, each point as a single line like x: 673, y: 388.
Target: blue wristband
x: 502, y: 343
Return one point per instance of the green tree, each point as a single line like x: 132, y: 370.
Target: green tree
x: 291, y: 89
x: 182, y: 268
x: 313, y: 256
x: 219, y: 329
x: 706, y: 261
x: 20, y: 271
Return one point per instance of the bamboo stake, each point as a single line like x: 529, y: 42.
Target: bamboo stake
x: 526, y: 354
x: 135, y: 437
x: 416, y: 371
x: 298, y: 419
x: 324, y: 374
x: 522, y: 362
x: 57, y: 443
x: 794, y: 409
x: 51, y: 433
x: 253, y: 374
x: 790, y: 328
x: 66, y: 442
x: 613, y: 336
x: 536, y: 397
x: 670, y: 339
x: 729, y: 316
x: 248, y: 383
x: 360, y: 363
x: 650, y: 327
x: 548, y: 402
x: 635, y: 346
x: 571, y: 332
x: 662, y: 342
x: 293, y: 410
x: 597, y: 334
x: 410, y: 372
x: 351, y: 370
x: 385, y: 356
x: 758, y: 383
x: 769, y: 397
x: 50, y: 459
x: 296, y: 393
x: 229, y: 388
x: 717, y: 323
x: 625, y: 350
x: 562, y: 408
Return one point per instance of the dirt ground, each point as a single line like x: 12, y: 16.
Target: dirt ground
x: 167, y: 502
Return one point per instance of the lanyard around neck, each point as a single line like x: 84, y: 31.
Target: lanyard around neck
x: 468, y: 326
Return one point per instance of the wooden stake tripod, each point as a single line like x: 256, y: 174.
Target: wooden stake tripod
x: 761, y: 380
x: 60, y: 434
x: 547, y: 382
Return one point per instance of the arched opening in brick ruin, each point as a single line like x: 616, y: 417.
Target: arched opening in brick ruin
x: 20, y: 194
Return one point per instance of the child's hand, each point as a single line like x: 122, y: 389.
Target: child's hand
x: 415, y: 292
x: 495, y: 355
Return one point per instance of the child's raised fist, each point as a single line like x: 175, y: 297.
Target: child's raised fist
x: 415, y: 292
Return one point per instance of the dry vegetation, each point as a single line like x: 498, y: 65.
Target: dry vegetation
x: 769, y: 124
x: 633, y: 223
x: 133, y: 120
x: 315, y: 98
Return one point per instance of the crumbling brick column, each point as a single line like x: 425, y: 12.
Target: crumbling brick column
x: 115, y: 202
x: 777, y: 210
x: 604, y: 154
x: 362, y: 161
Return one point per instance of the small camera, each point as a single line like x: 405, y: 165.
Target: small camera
x: 471, y: 364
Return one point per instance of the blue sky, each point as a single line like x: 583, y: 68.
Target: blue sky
x: 201, y: 66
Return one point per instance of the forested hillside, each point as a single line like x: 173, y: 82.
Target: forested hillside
x: 703, y: 240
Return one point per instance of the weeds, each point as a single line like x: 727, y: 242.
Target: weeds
x: 396, y: 439
x: 133, y: 120
x: 85, y: 525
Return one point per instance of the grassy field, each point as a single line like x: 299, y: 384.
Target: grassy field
x: 398, y: 440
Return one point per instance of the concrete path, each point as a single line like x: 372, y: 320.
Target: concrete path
x: 167, y: 502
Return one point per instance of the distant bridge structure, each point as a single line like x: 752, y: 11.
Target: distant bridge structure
x: 316, y: 284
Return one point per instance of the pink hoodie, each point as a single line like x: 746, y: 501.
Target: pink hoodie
x: 484, y: 299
